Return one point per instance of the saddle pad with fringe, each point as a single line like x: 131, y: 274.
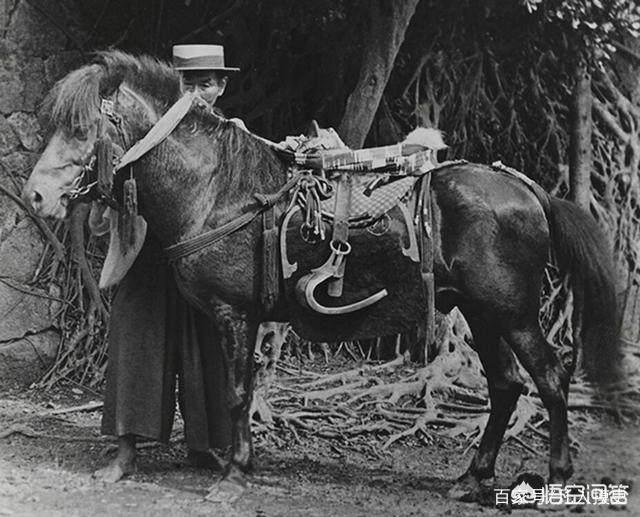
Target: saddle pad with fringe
x: 371, y: 205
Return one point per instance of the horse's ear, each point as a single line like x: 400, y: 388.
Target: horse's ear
x: 313, y: 130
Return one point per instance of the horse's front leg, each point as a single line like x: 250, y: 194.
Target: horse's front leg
x: 237, y: 332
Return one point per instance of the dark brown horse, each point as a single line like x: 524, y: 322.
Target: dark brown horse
x: 493, y: 235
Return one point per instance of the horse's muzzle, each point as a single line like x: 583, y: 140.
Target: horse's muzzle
x: 36, y: 202
x: 33, y: 199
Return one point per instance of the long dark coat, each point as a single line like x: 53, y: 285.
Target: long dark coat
x: 154, y: 338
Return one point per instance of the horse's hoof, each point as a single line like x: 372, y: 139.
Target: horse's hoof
x: 469, y: 489
x: 226, y: 491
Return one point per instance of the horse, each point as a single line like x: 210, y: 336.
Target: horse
x: 493, y: 235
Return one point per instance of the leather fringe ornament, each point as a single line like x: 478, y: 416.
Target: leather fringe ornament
x: 104, y: 164
x: 269, y: 261
x: 128, y: 214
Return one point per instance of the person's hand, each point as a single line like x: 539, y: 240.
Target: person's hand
x: 238, y: 122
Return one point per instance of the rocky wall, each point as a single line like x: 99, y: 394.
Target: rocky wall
x: 35, y: 51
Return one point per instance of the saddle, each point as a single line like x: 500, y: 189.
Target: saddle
x: 355, y: 240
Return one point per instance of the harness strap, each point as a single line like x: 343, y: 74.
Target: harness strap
x: 270, y: 268
x: 161, y: 130
x: 341, y: 230
x: 537, y: 190
x: 199, y: 242
x: 425, y: 232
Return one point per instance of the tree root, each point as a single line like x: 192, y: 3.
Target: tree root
x: 30, y: 433
x: 394, y: 401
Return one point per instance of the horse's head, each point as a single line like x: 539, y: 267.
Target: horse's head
x: 78, y: 118
x: 74, y: 115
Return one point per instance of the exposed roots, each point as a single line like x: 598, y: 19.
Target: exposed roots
x: 397, y: 400
x: 84, y: 311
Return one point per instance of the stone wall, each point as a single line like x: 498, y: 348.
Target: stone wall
x: 34, y: 53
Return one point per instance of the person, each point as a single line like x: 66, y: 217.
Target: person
x: 156, y: 337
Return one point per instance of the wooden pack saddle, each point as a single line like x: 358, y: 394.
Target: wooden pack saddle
x: 355, y: 243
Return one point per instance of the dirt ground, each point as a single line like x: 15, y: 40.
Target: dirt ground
x: 45, y: 470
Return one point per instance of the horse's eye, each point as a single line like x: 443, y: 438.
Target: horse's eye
x: 80, y: 134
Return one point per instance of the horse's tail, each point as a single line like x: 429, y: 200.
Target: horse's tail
x: 582, y: 250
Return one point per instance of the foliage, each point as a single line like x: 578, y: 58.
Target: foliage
x: 594, y: 24
x: 496, y: 83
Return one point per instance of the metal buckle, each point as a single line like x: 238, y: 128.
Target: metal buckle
x: 107, y: 107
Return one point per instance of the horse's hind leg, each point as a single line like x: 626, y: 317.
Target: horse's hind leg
x: 505, y: 386
x: 552, y: 380
x: 237, y: 332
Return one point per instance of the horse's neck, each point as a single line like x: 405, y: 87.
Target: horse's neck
x: 188, y: 184
x: 171, y: 192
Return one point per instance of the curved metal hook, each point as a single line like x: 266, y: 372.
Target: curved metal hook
x: 305, y: 294
x: 288, y: 268
x: 331, y: 269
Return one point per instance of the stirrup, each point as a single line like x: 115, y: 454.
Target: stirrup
x: 331, y: 269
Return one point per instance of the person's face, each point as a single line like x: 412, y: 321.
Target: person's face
x: 208, y: 85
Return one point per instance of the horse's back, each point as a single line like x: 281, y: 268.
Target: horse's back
x: 493, y: 237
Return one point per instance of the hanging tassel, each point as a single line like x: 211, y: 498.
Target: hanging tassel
x: 269, y: 261
x: 128, y: 214
x: 104, y: 165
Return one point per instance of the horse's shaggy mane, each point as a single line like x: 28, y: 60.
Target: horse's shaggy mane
x: 245, y: 165
x: 74, y: 102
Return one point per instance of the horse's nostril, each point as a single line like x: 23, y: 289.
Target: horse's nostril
x: 35, y: 200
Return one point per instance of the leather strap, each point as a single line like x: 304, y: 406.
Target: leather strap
x: 425, y: 231
x: 340, y: 235
x: 270, y: 268
x: 194, y: 244
x: 161, y: 130
x: 199, y: 242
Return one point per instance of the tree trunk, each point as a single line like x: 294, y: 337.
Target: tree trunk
x: 580, y: 155
x: 388, y: 22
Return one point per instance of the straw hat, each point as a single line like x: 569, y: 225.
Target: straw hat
x: 200, y: 57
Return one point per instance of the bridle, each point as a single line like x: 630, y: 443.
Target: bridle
x: 95, y: 173
x: 80, y: 187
